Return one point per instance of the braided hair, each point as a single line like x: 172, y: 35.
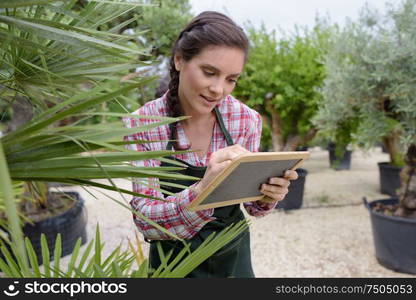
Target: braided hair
x: 207, y: 29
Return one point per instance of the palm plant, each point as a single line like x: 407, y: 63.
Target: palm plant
x: 90, y: 263
x: 49, y: 51
x: 56, y: 59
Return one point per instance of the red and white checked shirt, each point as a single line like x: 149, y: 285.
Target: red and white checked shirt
x: 244, y: 126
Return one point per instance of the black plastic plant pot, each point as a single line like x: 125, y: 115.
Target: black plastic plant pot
x: 394, y: 238
x: 71, y: 224
x: 294, y: 197
x: 389, y: 178
x: 339, y: 163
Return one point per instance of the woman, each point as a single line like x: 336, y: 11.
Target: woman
x: 207, y: 59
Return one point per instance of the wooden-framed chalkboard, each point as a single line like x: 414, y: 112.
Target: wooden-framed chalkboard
x: 241, y: 180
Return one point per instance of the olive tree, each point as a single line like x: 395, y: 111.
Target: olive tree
x: 371, y: 71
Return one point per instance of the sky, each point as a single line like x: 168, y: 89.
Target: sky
x: 285, y: 14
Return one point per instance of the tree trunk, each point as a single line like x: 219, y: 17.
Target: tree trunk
x: 277, y: 139
x: 275, y: 123
x: 295, y: 141
x: 391, y: 143
x: 407, y: 193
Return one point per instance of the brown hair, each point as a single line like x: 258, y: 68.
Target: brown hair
x: 209, y: 28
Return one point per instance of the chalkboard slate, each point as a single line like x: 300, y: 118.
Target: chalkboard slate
x: 241, y: 180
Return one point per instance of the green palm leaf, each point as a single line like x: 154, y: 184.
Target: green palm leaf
x: 32, y: 258
x: 57, y: 256
x: 74, y: 257
x: 64, y: 36
x: 19, y: 3
x: 45, y: 256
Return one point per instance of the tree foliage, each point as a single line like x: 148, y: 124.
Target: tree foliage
x: 163, y: 23
x: 157, y: 23
x: 371, y: 71
x: 280, y: 81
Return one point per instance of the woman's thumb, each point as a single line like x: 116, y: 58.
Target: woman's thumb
x: 224, y: 164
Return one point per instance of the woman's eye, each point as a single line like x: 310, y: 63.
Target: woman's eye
x: 208, y: 73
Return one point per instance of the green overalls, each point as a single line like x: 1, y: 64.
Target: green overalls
x: 234, y: 259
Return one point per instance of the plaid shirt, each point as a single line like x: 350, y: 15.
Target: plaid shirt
x: 244, y: 126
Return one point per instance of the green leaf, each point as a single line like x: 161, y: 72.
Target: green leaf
x: 57, y: 255
x: 115, y: 270
x: 207, y: 248
x: 5, y: 269
x: 85, y: 256
x: 74, y: 257
x: 20, y: 3
x: 113, y: 254
x: 98, y: 271
x: 79, y: 161
x: 89, y: 270
x: 32, y: 258
x: 12, y: 267
x: 45, y: 256
x: 98, y: 248
x: 104, y: 186
x: 163, y: 259
x: 35, y: 127
x: 143, y: 270
x: 63, y: 36
x: 11, y: 212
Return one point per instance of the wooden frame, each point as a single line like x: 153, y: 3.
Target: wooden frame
x: 236, y: 185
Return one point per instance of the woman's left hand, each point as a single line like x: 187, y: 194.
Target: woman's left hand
x: 277, y: 187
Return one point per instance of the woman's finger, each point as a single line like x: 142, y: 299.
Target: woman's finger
x: 291, y: 175
x: 276, y: 197
x: 268, y: 199
x: 275, y: 189
x: 284, y: 182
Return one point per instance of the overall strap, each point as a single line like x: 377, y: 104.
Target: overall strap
x: 220, y: 122
x: 172, y: 126
x: 222, y: 126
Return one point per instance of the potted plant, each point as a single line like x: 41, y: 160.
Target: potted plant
x: 371, y: 71
x: 390, y: 170
x: 280, y: 82
x: 57, y: 57
x: 339, y: 143
x: 339, y: 156
x: 43, y: 64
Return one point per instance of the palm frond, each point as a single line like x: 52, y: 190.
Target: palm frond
x: 20, y: 3
x: 118, y: 264
x: 47, y: 47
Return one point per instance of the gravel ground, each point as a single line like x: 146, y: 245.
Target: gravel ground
x: 330, y: 236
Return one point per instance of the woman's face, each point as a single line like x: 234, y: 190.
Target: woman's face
x: 207, y: 78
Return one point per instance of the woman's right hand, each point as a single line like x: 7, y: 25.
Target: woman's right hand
x: 219, y: 160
